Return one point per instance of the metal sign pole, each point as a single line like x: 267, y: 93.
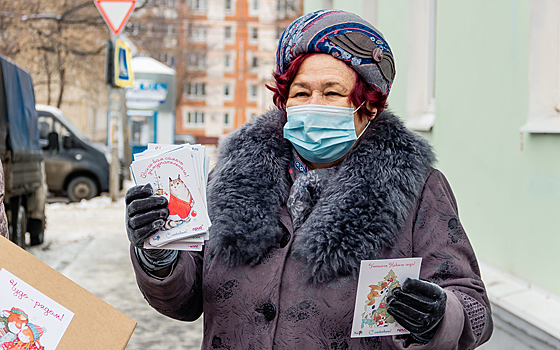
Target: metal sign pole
x: 114, y: 102
x: 116, y: 14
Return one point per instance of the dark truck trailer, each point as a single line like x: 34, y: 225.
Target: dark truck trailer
x: 21, y: 155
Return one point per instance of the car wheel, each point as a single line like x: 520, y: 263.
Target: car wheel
x: 36, y: 229
x: 20, y: 226
x: 81, y: 187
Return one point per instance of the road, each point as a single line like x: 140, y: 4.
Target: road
x: 87, y: 243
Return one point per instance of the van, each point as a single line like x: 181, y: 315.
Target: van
x: 75, y: 167
x: 20, y: 151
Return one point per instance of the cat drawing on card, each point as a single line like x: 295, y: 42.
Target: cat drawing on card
x: 15, y: 320
x: 180, y: 204
x: 377, y: 294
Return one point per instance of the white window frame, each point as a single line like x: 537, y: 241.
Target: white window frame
x: 231, y: 88
x: 544, y: 68
x: 421, y: 65
x: 196, y: 90
x: 230, y: 11
x: 199, y: 5
x: 199, y: 33
x: 229, y: 123
x: 231, y: 39
x: 199, y: 116
x: 227, y: 61
x: 232, y: 56
x: 252, y: 10
x: 252, y: 86
x: 252, y: 28
x: 250, y: 60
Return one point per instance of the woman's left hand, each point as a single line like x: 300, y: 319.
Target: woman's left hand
x: 419, y: 307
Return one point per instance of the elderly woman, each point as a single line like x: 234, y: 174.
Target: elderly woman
x: 300, y: 196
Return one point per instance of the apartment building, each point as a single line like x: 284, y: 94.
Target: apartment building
x: 223, y: 52
x: 228, y: 57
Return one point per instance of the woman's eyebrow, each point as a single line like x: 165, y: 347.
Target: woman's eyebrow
x: 303, y: 85
x: 328, y: 84
x: 334, y: 83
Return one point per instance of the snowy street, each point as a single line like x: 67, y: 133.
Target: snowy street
x: 87, y: 243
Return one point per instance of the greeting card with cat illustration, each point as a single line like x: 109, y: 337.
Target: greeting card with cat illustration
x: 29, y: 320
x: 178, y: 174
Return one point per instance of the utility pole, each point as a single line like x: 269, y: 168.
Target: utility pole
x: 117, y: 116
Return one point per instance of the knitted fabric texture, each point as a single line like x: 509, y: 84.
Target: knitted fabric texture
x: 305, y: 193
x: 344, y: 36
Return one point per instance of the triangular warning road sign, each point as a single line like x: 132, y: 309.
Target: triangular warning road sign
x: 115, y: 12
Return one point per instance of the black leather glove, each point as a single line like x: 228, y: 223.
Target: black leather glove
x: 419, y: 307
x: 146, y: 213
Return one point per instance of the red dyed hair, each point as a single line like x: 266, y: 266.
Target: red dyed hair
x: 362, y: 91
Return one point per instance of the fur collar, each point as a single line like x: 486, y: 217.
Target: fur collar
x: 357, y: 217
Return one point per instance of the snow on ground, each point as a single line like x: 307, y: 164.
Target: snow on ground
x: 87, y: 243
x: 72, y: 226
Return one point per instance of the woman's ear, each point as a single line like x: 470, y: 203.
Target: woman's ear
x: 372, y: 109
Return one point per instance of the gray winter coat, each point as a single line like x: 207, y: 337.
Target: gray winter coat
x: 263, y: 286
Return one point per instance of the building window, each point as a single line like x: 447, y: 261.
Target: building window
x: 254, y: 90
x: 170, y: 29
x: 194, y: 119
x: 228, y: 5
x: 198, y: 33
x: 226, y: 90
x: 227, y: 32
x: 198, y: 5
x: 544, y: 69
x: 226, y: 119
x: 254, y: 33
x: 196, y: 89
x: 227, y: 62
x: 420, y: 93
x: 255, y: 62
x: 288, y: 8
x: 255, y: 5
x: 196, y: 61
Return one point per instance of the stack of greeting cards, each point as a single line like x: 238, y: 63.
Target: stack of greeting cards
x: 180, y: 173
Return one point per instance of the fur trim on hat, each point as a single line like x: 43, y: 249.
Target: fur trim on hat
x: 360, y: 211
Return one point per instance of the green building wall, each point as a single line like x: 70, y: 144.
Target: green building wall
x: 507, y: 183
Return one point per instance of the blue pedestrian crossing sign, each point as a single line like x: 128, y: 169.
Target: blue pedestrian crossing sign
x: 123, y: 71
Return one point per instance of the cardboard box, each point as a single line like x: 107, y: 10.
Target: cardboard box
x: 95, y: 324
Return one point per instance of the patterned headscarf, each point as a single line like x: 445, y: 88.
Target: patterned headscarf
x: 345, y: 36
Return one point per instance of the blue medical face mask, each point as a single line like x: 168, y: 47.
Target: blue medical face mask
x: 321, y: 134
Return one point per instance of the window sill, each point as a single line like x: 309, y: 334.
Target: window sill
x: 193, y: 126
x: 194, y: 98
x: 523, y: 300
x: 550, y: 125
x: 421, y: 122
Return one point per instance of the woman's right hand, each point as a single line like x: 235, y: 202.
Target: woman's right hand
x: 146, y: 213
